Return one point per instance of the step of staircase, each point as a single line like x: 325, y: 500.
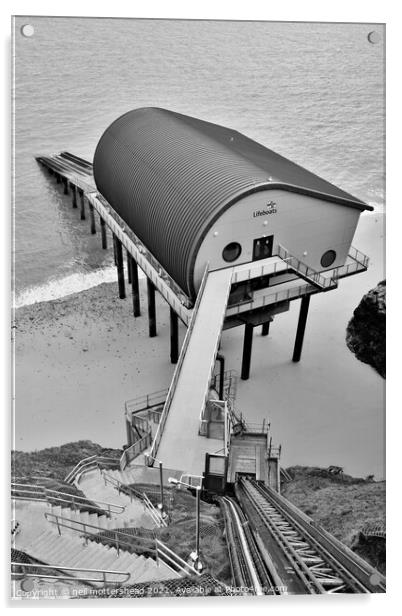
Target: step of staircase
x: 71, y: 551
x: 75, y: 518
x: 93, y: 485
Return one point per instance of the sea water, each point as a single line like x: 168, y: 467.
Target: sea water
x: 314, y: 92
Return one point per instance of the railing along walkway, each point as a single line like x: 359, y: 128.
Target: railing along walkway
x: 55, y: 497
x: 306, y: 272
x: 34, y: 570
x: 133, y: 493
x: 88, y: 464
x: 122, y: 540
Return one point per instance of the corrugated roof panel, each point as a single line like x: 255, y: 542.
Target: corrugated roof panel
x: 169, y: 175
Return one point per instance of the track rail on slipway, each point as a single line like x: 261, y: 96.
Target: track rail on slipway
x: 311, y: 558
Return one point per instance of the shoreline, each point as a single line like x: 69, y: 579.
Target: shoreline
x: 80, y: 357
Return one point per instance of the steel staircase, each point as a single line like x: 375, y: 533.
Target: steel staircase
x: 306, y: 272
x: 95, y: 487
x: 70, y: 551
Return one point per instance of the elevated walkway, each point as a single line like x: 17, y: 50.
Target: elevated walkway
x: 178, y: 443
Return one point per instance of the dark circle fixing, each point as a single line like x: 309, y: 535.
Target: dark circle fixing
x: 231, y: 252
x: 328, y: 258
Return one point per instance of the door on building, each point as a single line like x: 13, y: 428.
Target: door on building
x: 263, y: 247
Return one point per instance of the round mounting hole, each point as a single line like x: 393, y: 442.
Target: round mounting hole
x: 373, y: 37
x: 27, y: 30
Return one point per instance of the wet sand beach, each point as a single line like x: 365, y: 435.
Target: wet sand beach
x: 79, y: 358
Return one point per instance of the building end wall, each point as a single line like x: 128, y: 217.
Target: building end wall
x: 305, y: 226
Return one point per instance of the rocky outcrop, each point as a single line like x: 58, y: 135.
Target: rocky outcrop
x: 365, y: 334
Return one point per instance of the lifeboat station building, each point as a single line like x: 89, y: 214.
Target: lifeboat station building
x: 229, y: 233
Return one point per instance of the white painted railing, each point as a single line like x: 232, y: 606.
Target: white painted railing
x: 123, y: 540
x: 90, y: 463
x: 305, y: 270
x: 37, y: 570
x: 161, y: 280
x: 74, y: 501
x: 155, y: 514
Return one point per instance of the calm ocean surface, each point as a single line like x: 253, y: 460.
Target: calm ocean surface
x: 313, y: 92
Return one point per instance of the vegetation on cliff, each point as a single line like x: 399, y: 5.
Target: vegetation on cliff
x: 365, y: 334
x: 56, y: 462
x: 345, y: 506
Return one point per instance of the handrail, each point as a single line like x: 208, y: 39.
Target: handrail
x: 305, y: 270
x: 258, y: 269
x: 162, y: 552
x: 358, y: 256
x: 262, y: 428
x: 198, y: 480
x: 81, y: 527
x: 135, y: 449
x: 32, y: 489
x: 273, y: 298
x: 216, y: 347
x: 227, y: 429
x: 119, y: 485
x: 360, y: 263
x: 105, y: 572
x: 93, y: 460
x: 154, y: 513
x: 143, y: 403
x: 172, y: 388
x: 175, y: 559
x: 158, y: 276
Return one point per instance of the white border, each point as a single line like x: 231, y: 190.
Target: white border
x: 385, y: 11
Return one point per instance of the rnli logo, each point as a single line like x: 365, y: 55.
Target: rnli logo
x: 270, y: 208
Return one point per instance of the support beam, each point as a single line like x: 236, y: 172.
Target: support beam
x: 82, y: 199
x: 58, y: 178
x: 74, y: 195
x: 135, y: 287
x: 174, y: 337
x: 265, y: 328
x: 92, y: 218
x: 151, y: 309
x: 65, y: 182
x: 220, y: 358
x: 128, y: 267
x: 103, y: 233
x: 301, y: 326
x: 120, y: 267
x: 247, y: 348
x: 129, y: 433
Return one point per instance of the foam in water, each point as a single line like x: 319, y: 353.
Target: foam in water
x: 62, y: 287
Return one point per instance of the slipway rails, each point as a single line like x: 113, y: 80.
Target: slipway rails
x: 301, y: 554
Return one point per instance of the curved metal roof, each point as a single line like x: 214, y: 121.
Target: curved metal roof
x: 169, y: 176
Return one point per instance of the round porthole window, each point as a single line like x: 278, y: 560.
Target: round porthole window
x: 231, y: 252
x: 328, y: 258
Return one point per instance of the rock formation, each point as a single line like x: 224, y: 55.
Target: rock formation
x: 365, y: 334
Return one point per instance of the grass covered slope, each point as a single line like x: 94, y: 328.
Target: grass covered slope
x: 56, y: 462
x: 343, y: 505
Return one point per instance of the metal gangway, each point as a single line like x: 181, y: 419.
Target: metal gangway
x: 178, y: 442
